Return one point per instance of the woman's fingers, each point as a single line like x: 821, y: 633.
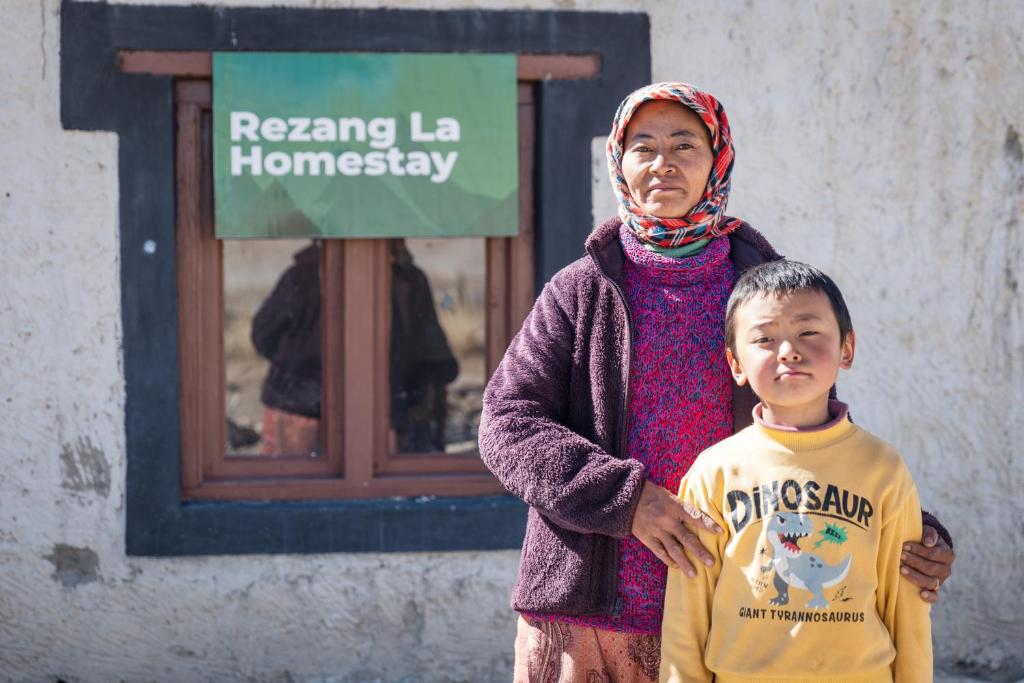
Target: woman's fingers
x: 932, y: 570
x: 678, y: 537
x: 931, y: 560
x: 668, y: 527
x: 930, y: 592
x: 928, y: 564
x: 658, y: 549
x: 677, y: 558
x: 918, y: 578
x: 671, y: 554
x: 700, y: 518
x: 941, y: 557
x: 687, y: 538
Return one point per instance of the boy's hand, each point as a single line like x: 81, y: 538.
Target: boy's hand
x: 927, y: 564
x: 666, y: 525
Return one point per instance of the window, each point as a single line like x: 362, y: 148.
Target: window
x: 405, y: 334
x: 122, y: 68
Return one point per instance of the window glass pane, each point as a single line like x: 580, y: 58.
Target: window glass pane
x: 438, y: 338
x: 272, y: 347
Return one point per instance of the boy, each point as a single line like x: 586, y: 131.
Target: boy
x: 806, y: 583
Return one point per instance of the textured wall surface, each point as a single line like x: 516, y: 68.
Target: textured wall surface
x: 881, y: 141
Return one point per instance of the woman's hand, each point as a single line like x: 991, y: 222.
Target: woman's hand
x: 927, y: 564
x: 666, y: 525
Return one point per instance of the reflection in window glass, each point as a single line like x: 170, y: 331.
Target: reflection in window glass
x: 437, y: 344
x: 272, y: 347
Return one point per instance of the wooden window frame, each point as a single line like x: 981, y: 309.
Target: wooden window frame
x: 139, y: 108
x: 356, y: 462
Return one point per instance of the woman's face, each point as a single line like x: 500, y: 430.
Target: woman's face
x: 666, y: 158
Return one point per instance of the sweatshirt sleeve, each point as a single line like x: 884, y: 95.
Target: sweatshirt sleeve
x: 526, y: 444
x: 687, y: 621
x: 904, y: 614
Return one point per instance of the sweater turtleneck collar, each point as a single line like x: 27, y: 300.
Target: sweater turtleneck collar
x: 835, y: 430
x: 715, y: 254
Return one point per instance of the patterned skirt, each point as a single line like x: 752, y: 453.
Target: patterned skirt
x: 556, y: 652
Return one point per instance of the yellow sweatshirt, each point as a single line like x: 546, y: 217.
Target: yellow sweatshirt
x: 806, y: 583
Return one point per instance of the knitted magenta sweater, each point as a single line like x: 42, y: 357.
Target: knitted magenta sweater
x: 681, y: 401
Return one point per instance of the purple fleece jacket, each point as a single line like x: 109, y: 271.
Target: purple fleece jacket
x: 552, y: 428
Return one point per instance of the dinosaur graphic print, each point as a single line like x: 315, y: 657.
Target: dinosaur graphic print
x: 796, y: 568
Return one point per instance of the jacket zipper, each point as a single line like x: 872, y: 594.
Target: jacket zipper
x: 624, y: 407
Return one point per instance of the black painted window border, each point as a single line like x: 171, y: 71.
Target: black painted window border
x: 95, y: 95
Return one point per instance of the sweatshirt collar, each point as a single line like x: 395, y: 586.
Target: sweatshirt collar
x: 835, y: 430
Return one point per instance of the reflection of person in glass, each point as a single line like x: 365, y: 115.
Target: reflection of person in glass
x: 286, y: 331
x: 422, y: 364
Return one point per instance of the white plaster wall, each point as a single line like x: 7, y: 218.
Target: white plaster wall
x: 880, y: 140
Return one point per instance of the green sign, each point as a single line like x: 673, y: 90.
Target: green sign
x: 365, y: 145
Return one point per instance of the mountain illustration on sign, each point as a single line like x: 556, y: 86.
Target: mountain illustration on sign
x: 393, y: 203
x: 270, y: 211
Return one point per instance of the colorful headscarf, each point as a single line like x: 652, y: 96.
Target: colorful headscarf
x: 707, y: 218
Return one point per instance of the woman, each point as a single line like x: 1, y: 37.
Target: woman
x: 615, y: 383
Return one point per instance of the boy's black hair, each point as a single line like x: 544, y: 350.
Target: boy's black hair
x: 782, y: 277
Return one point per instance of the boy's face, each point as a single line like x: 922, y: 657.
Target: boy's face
x: 788, y: 348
